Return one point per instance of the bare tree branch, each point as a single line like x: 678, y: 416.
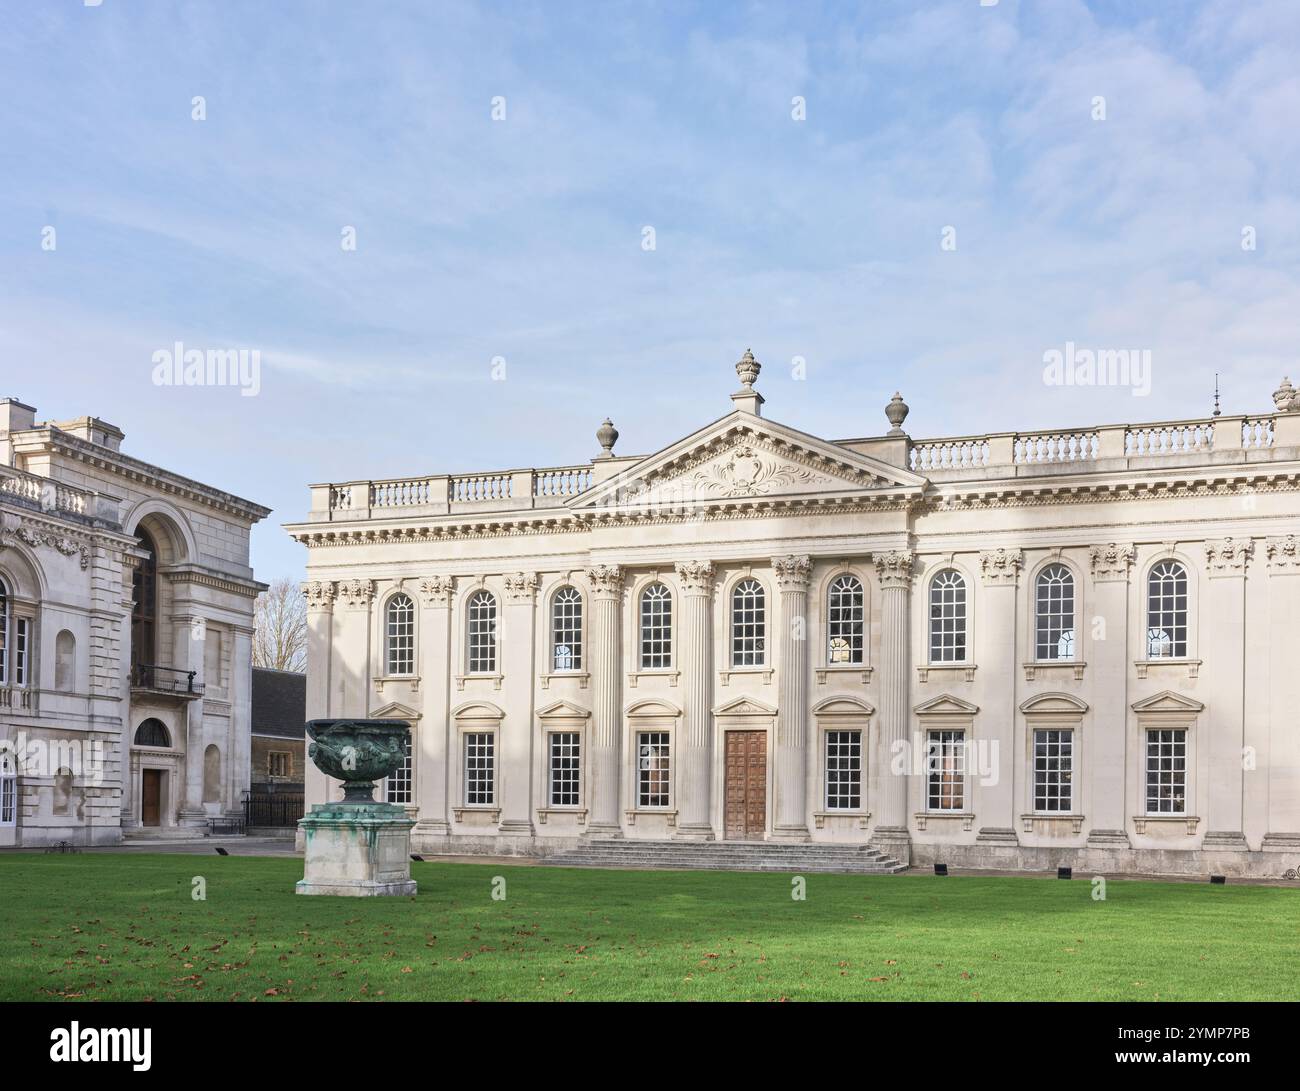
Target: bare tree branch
x: 280, y: 623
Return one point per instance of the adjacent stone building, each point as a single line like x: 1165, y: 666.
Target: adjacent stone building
x: 1053, y: 646
x: 126, y: 620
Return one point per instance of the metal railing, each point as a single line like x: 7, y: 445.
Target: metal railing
x: 158, y: 679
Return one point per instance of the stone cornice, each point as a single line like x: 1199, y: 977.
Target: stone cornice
x: 1000, y: 567
x: 792, y: 572
x: 695, y: 577
x: 1228, y: 556
x: 219, y: 581
x: 143, y: 473
x: 982, y: 495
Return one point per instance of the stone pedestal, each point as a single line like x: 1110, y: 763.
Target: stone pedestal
x: 357, y: 850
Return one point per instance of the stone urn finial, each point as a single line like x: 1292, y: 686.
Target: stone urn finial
x: 1286, y: 397
x: 748, y: 368
x: 607, y: 436
x: 896, y: 412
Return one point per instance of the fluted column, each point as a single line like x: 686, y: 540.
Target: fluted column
x: 694, y: 660
x: 607, y: 713
x: 790, y: 780
x: 890, y: 833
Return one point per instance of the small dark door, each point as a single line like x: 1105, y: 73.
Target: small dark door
x: 150, y: 797
x: 745, y: 815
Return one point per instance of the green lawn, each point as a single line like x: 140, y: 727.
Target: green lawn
x: 125, y: 927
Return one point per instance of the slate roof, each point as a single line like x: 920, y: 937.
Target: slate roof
x: 279, y: 703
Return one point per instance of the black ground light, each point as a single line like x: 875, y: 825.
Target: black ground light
x: 1065, y: 873
x: 941, y: 869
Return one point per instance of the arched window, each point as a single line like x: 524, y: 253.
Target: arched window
x: 144, y: 602
x: 656, y: 628
x: 948, y: 617
x: 1054, y: 613
x: 844, y: 621
x: 8, y: 789
x: 399, y: 635
x: 1167, y: 611
x: 482, y: 633
x: 748, y: 624
x: 4, y: 632
x: 65, y: 661
x: 566, y: 630
x: 152, y: 732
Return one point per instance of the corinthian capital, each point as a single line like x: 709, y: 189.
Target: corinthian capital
x: 792, y: 572
x: 1283, y: 554
x: 1111, y: 562
x: 319, y: 594
x: 695, y: 576
x: 1000, y: 567
x: 606, y: 580
x: 1228, y: 556
x: 356, y: 592
x: 436, y: 590
x: 894, y: 568
x: 521, y: 587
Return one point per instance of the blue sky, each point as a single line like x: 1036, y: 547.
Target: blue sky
x: 522, y: 238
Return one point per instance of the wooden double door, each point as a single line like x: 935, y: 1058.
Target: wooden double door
x: 745, y: 810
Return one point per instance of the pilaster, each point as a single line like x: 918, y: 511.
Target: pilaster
x: 434, y: 636
x: 319, y: 595
x: 695, y: 644
x: 790, y: 779
x: 1107, y: 752
x: 518, y: 731
x: 894, y: 574
x: 996, y: 653
x: 605, y: 775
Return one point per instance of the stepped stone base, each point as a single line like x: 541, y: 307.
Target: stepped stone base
x: 729, y: 856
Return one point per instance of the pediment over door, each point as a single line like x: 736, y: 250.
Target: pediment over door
x: 741, y: 458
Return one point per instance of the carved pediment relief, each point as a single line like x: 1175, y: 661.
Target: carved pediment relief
x: 739, y: 460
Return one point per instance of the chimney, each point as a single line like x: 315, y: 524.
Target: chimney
x: 15, y: 416
x: 94, y: 430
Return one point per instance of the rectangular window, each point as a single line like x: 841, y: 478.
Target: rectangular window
x: 843, y: 770
x: 1167, y: 772
x: 652, y: 769
x: 566, y: 770
x: 946, y: 771
x: 399, y: 784
x: 8, y: 800
x: 480, y: 769
x: 279, y: 764
x: 20, y: 651
x: 1053, y: 771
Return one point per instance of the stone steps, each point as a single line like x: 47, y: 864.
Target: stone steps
x: 728, y: 856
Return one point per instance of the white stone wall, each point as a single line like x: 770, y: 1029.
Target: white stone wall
x: 74, y: 563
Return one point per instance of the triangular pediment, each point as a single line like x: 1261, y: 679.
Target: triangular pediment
x: 744, y: 706
x: 945, y: 703
x: 562, y: 710
x: 1168, y: 701
x: 743, y: 458
x: 394, y: 711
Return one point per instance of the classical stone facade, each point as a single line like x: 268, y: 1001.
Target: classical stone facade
x: 126, y: 621
x: 1018, y: 650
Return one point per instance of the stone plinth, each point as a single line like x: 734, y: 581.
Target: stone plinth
x: 357, y: 850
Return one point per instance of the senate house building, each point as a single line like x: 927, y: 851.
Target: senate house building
x: 126, y: 624
x: 1016, y: 650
